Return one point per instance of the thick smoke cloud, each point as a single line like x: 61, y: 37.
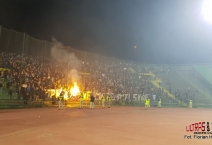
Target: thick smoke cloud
x: 73, y: 75
x: 68, y: 59
x: 58, y: 52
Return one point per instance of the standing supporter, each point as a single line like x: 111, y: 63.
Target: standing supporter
x: 60, y: 101
x: 10, y: 93
x: 103, y: 101
x: 149, y: 103
x: 190, y: 104
x: 81, y: 101
x: 1, y: 88
x: 109, y: 101
x: 27, y: 98
x: 159, y: 103
x: 146, y: 103
x: 92, y: 100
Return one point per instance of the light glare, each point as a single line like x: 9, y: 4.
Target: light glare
x: 75, y: 90
x: 207, y: 10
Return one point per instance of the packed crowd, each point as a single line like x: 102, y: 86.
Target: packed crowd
x: 115, y: 78
x: 31, y: 77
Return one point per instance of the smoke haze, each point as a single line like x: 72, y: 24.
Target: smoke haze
x: 62, y: 55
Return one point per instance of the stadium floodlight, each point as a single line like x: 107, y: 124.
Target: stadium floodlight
x: 207, y: 10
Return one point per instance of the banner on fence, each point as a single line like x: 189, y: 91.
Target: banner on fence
x: 133, y: 97
x: 98, y: 96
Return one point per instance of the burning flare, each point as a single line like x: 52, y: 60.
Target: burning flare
x: 75, y: 90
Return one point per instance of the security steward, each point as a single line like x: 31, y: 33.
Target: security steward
x: 103, y: 101
x: 146, y: 103
x: 81, y: 101
x: 190, y: 104
x: 159, y: 103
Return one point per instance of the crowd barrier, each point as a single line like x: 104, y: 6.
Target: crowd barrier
x: 14, y: 104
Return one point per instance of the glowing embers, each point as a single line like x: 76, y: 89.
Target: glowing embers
x: 74, y: 90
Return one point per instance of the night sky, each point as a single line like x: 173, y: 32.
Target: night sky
x: 164, y: 31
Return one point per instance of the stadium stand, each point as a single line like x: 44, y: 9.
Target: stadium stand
x: 28, y: 71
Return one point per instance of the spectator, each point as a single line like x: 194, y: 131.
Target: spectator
x: 10, y: 93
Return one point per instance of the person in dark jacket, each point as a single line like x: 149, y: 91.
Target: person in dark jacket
x: 1, y: 88
x: 10, y: 93
x: 92, y: 100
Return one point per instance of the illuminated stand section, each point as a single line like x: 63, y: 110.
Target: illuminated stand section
x: 73, y: 92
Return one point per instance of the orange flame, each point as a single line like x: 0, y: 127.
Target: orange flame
x: 75, y: 90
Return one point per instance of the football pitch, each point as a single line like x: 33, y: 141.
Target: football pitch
x: 109, y: 126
